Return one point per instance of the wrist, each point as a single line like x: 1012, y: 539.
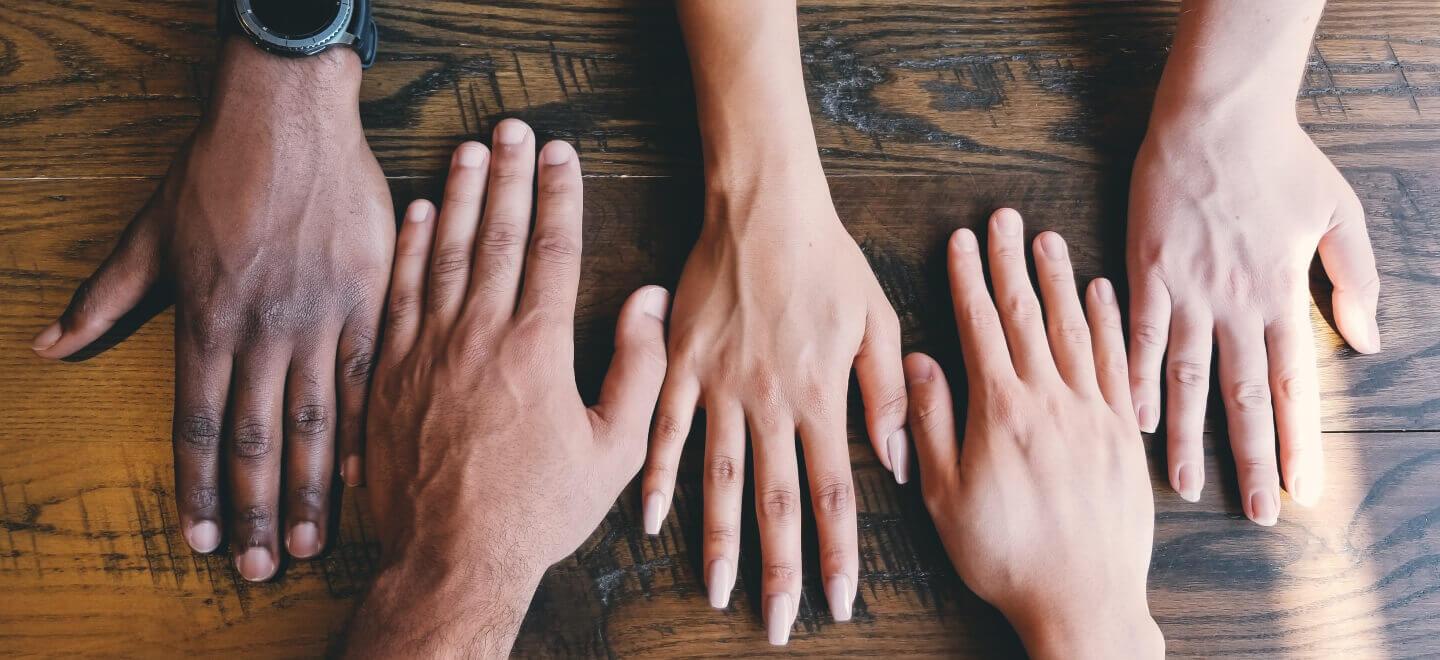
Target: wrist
x: 322, y: 91
x: 436, y: 605
x: 1124, y: 630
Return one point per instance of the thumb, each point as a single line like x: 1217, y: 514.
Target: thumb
x: 1350, y: 263
x: 627, y: 397
x: 116, y: 287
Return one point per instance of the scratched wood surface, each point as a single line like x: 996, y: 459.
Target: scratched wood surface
x: 928, y: 116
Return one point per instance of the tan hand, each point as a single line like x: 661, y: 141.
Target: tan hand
x: 1045, y: 509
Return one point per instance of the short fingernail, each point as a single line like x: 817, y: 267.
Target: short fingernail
x: 255, y: 564
x: 899, y: 447
x: 47, y: 337
x: 654, y: 512
x: 965, y: 241
x: 657, y: 302
x: 557, y: 153
x: 1007, y: 221
x: 352, y: 471
x: 1052, y: 245
x: 1104, y: 291
x: 1145, y: 416
x: 511, y: 131
x: 203, y: 536
x: 303, y: 540
x: 779, y: 615
x: 470, y: 154
x: 417, y: 212
x: 719, y: 580
x: 1264, y: 508
x: 1188, y: 482
x: 837, y: 591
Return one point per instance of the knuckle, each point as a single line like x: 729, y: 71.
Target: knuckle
x: 893, y: 402
x: 722, y: 535
x: 449, y: 261
x: 555, y: 247
x: 979, y: 316
x: 199, y: 431
x: 1148, y: 333
x: 1188, y: 373
x: 1293, y: 386
x: 559, y: 189
x: 311, y: 496
x: 1021, y: 309
x: 929, y: 416
x: 462, y: 195
x: 1072, y: 331
x: 200, y: 498
x: 1004, y: 406
x: 403, y: 305
x: 357, y: 367
x: 259, y: 518
x: 310, y: 420
x: 779, y: 503
x: 500, y: 237
x: 833, y: 498
x: 252, y: 440
x: 669, y: 428
x: 1249, y: 396
x: 781, y: 571
x: 723, y: 472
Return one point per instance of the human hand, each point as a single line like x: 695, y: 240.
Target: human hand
x: 773, y: 307
x: 1045, y: 508
x: 274, y: 228
x: 484, y: 465
x: 1226, y: 214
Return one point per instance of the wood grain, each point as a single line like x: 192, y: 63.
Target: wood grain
x: 928, y: 116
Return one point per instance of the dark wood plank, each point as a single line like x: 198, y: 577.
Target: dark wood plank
x: 111, y: 87
x: 88, y: 536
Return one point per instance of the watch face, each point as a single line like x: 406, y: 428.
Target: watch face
x: 289, y: 19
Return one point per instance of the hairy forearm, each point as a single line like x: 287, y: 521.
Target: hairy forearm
x: 435, y: 608
x: 259, y: 91
x: 1238, y: 57
x: 750, y: 92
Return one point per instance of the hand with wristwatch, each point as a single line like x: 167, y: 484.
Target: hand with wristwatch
x: 274, y: 231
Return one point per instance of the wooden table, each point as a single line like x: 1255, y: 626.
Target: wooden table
x: 928, y: 116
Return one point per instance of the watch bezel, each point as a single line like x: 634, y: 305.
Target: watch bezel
x: 330, y: 35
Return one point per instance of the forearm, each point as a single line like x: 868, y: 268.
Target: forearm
x: 1238, y: 57
x: 1088, y: 630
x: 256, y: 91
x: 749, y: 89
x: 433, y: 608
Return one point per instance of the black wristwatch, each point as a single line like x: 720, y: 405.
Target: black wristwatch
x: 300, y: 28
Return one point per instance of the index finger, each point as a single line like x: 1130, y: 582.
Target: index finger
x: 982, y: 342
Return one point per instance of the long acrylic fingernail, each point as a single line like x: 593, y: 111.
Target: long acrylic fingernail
x: 1007, y: 221
x: 779, y: 616
x: 654, y: 512
x: 1188, y: 482
x: 352, y: 471
x: 303, y: 541
x: 837, y: 591
x: 47, y: 337
x: 1147, y: 419
x: 1302, y: 493
x: 719, y: 581
x: 898, y: 447
x: 255, y: 564
x: 203, y: 536
x: 1372, y: 336
x: 1264, y: 508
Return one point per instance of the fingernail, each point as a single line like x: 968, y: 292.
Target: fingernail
x: 1301, y: 493
x: 1007, y: 221
x: 511, y: 131
x: 352, y: 471
x: 899, y: 448
x: 1373, y: 335
x: 1263, y: 508
x: 779, y: 615
x: 657, y: 302
x: 47, y: 337
x: 255, y: 565
x: 654, y: 512
x: 557, y: 153
x: 470, y: 154
x: 203, y: 536
x: 965, y: 241
x: 1188, y: 482
x: 417, y: 212
x: 1104, y: 291
x: 1052, y: 245
x: 719, y: 580
x: 837, y: 591
x: 1145, y: 416
x: 303, y: 541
